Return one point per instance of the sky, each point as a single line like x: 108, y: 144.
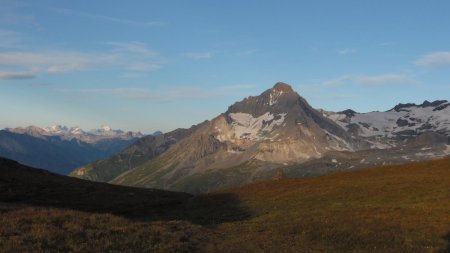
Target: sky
x: 160, y: 65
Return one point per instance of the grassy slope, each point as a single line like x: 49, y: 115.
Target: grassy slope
x: 391, y: 209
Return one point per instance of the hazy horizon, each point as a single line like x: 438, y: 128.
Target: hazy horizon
x: 159, y: 65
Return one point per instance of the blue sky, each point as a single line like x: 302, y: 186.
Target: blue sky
x: 160, y: 65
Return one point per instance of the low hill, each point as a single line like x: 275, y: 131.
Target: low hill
x: 402, y: 208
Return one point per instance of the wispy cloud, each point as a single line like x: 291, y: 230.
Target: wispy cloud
x: 346, y: 51
x: 130, y: 56
x: 434, y: 60
x: 166, y: 94
x: 144, y: 67
x: 16, y: 75
x: 11, y: 13
x: 100, y: 17
x: 132, y: 47
x: 199, y: 55
x: 248, y: 52
x: 338, y: 81
x: 128, y: 93
x: 9, y: 39
x: 384, y: 79
x: 53, y: 62
x: 137, y: 56
x: 132, y: 75
x: 237, y: 87
x: 387, y: 43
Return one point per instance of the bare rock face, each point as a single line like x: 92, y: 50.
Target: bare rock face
x: 277, y: 127
x: 403, y: 124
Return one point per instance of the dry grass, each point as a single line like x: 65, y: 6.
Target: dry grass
x: 390, y: 209
x: 58, y: 230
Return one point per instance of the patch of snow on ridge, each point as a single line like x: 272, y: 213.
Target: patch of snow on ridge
x: 390, y: 123
x: 245, y: 126
x: 273, y: 96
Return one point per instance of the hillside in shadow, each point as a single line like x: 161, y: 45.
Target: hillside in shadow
x: 24, y: 185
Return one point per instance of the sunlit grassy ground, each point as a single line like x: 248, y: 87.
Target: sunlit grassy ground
x: 391, y: 209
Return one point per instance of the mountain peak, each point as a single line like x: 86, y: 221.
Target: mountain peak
x: 280, y: 86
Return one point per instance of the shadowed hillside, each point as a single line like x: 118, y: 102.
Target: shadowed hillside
x: 29, y: 186
x: 401, y: 208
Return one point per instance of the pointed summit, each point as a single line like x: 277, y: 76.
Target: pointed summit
x: 280, y: 86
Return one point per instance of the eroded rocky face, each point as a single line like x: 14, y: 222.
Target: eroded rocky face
x: 403, y: 122
x: 279, y: 129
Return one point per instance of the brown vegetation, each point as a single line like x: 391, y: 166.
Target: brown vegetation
x: 402, y: 208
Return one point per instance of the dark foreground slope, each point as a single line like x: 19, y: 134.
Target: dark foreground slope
x: 402, y: 208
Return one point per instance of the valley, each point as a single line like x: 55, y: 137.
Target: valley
x: 61, y: 149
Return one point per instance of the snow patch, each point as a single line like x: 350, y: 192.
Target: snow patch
x: 388, y: 124
x: 245, y: 126
x: 273, y: 96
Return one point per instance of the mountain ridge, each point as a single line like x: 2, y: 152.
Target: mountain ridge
x: 277, y: 129
x: 69, y: 133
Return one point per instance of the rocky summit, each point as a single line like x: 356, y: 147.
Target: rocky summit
x: 278, y: 130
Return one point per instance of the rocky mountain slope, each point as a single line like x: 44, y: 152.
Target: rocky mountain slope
x: 135, y: 155
x: 61, y: 149
x: 404, y: 121
x: 278, y: 129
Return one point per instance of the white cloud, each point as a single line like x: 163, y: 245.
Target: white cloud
x: 199, y: 56
x: 130, y: 56
x: 132, y: 47
x: 16, y: 75
x: 11, y: 13
x: 137, y: 56
x: 132, y: 75
x: 387, y: 43
x: 347, y: 51
x: 248, y: 52
x: 166, y: 94
x: 338, y: 81
x: 53, y: 62
x: 129, y: 93
x: 82, y: 14
x: 238, y: 87
x: 384, y: 79
x: 9, y: 39
x: 60, y: 58
x: 145, y: 67
x: 435, y: 59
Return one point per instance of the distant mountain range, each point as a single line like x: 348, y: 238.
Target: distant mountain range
x: 61, y: 149
x: 69, y: 133
x: 278, y: 130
